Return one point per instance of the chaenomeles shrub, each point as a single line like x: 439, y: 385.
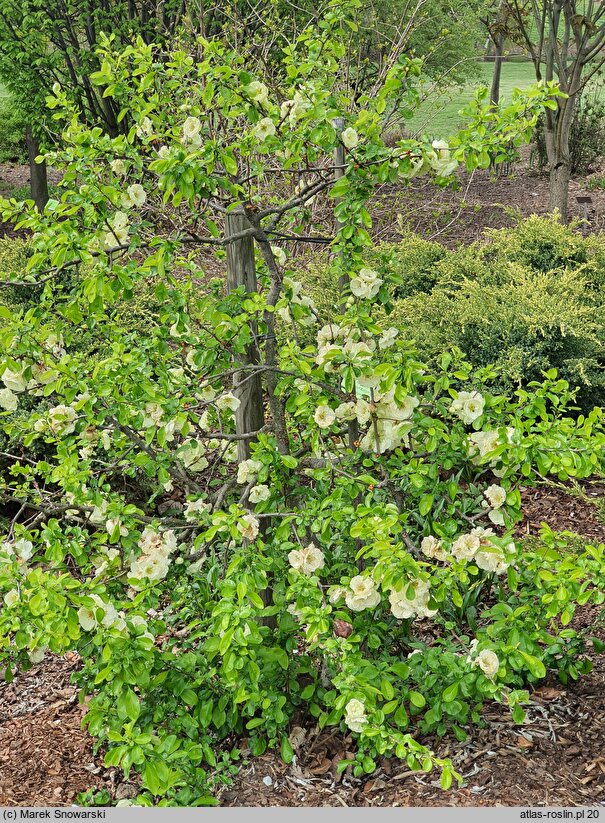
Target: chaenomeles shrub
x: 342, y: 570
x: 13, y: 148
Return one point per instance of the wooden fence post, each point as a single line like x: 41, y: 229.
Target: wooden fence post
x: 241, y: 271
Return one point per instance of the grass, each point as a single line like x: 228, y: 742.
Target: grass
x: 439, y: 115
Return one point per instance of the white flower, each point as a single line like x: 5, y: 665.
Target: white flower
x: 307, y: 560
x: 61, y: 419
x: 491, y: 561
x: 496, y: 496
x: 163, y: 152
x: 118, y: 167
x: 280, y: 255
x: 24, y: 548
x: 432, y: 547
x: 350, y: 138
x: 336, y: 594
x: 195, y: 507
x: 8, y: 400
x: 284, y: 313
x: 468, y: 406
x: 257, y: 91
x: 404, y: 607
x: 248, y: 527
x: 136, y: 194
x: 259, y: 493
x: 145, y: 127
x: 324, y: 416
x: 488, y: 662
x: 328, y: 334
x: 366, y: 284
x: 113, y: 523
x: 228, y: 401
x: 466, y: 546
x: 119, y: 230
x: 13, y: 381
x: 192, y: 455
x: 388, y: 338
x: 11, y: 597
x: 150, y: 567
x: 345, y: 412
x: 38, y: 655
x: 248, y: 470
x: 87, y: 618
x: 355, y: 715
x: 264, y: 128
x: 191, y: 130
x: 483, y: 442
x: 362, y: 594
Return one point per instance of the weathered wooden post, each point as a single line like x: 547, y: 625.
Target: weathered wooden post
x: 343, y: 280
x: 241, y: 271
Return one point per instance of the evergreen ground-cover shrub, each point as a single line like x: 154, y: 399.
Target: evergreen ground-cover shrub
x: 525, y: 300
x: 213, y: 596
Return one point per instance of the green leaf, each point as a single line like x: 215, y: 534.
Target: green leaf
x: 128, y: 705
x: 286, y: 750
x: 450, y: 693
x: 417, y: 699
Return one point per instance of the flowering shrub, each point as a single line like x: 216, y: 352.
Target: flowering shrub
x: 358, y: 564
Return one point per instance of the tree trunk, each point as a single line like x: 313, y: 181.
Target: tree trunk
x: 557, y: 130
x: 494, y: 95
x: 38, y: 177
x: 241, y: 271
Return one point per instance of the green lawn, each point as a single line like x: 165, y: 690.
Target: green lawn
x: 439, y: 115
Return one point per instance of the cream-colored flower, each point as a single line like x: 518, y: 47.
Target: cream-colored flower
x: 388, y: 338
x: 113, y: 523
x: 62, y: 419
x: 337, y: 594
x: 362, y: 594
x: 136, y: 194
x: 258, y: 92
x: 248, y: 527
x: 433, y: 548
x: 163, y: 152
x: 259, y: 493
x: 11, y: 598
x: 350, y: 138
x: 345, y: 412
x: 468, y: 406
x: 24, y: 548
x: 8, y: 400
x: 324, y: 416
x: 228, y: 401
x: 496, y: 496
x: 466, y: 546
x: 280, y: 255
x: 355, y: 715
x: 38, y: 655
x: 248, y: 470
x: 488, y: 662
x: 264, y: 128
x: 307, y: 560
x: 195, y: 508
x: 144, y: 127
x: 191, y: 130
x: 87, y: 618
x: 14, y: 381
x: 118, y: 167
x: 366, y: 284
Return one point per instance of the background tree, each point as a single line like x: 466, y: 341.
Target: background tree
x: 565, y: 40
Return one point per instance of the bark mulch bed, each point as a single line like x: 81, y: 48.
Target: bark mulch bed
x: 556, y: 758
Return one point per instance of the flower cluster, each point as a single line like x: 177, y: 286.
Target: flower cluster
x: 307, y: 560
x: 411, y: 601
x: 365, y: 284
x: 362, y: 594
x: 88, y: 616
x: 468, y: 406
x: 477, y: 546
x: 154, y: 562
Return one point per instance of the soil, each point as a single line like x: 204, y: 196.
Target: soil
x: 556, y: 758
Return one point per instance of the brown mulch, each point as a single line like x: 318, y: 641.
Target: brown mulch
x: 45, y: 756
